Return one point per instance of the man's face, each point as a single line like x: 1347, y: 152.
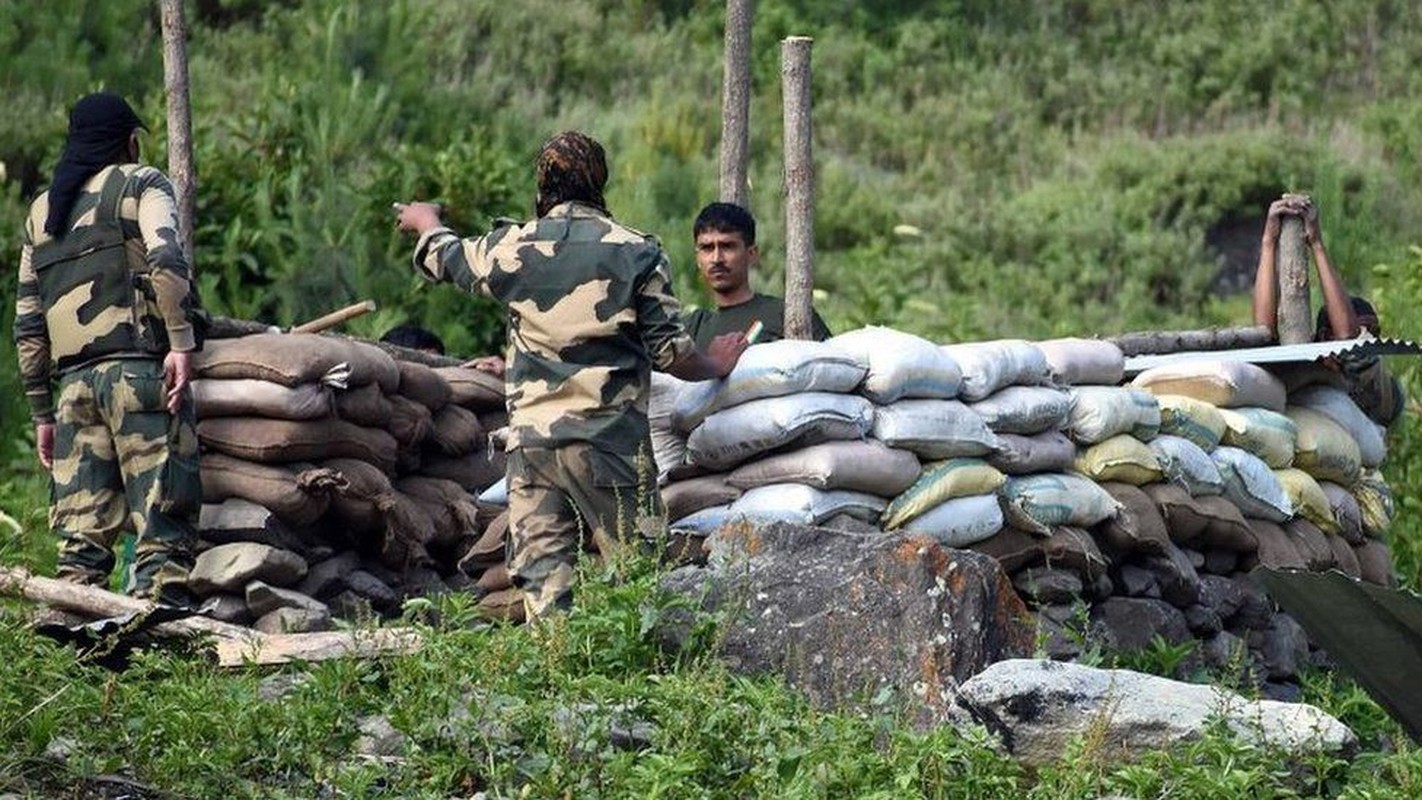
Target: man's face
x: 724, y: 260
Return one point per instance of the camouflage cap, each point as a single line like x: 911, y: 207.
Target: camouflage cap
x: 570, y: 166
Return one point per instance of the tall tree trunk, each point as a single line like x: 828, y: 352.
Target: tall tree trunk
x: 735, y: 103
x: 180, y: 122
x: 799, y: 187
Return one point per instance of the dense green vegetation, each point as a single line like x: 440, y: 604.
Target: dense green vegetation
x: 1069, y: 166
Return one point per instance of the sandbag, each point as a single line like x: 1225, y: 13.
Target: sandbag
x: 364, y: 499
x: 1120, y: 458
x: 989, y: 366
x: 863, y: 466
x: 290, y: 359
x: 1192, y: 419
x: 773, y: 369
x: 1024, y: 410
x: 961, y: 521
x: 1014, y: 549
x: 365, y: 405
x: 475, y: 472
x: 489, y: 548
x: 684, y: 498
x: 497, y: 494
x: 1311, y: 543
x: 472, y: 388
x: 668, y: 444
x: 1185, y: 463
x: 370, y: 364
x: 1346, y: 512
x: 1184, y: 520
x: 1375, y: 564
x: 1100, y: 412
x: 1139, y: 527
x: 1050, y: 451
x: 409, y: 421
x: 250, y: 397
x: 1307, y: 498
x: 1251, y: 485
x: 900, y: 365
x: 1325, y: 450
x: 423, y: 385
x: 1228, y: 529
x: 1276, y: 549
x: 1039, y: 503
x: 740, y: 432
x: 1334, y: 403
x: 1225, y: 384
x: 805, y: 505
x: 706, y: 521
x: 1073, y: 548
x: 285, y: 441
x: 455, y: 431
x: 459, y: 509
x: 1267, y: 434
x: 298, y: 495
x: 933, y: 429
x: 1079, y: 362
x: 1375, y: 502
x: 939, y: 483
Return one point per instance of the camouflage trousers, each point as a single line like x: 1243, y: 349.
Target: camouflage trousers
x: 122, y: 462
x: 569, y: 500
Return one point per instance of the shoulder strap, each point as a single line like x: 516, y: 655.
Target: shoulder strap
x: 111, y: 195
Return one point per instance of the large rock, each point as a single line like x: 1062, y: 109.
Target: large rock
x: 230, y: 567
x: 847, y: 617
x: 1039, y: 707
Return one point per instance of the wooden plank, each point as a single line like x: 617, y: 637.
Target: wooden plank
x: 283, y: 648
x: 1160, y: 342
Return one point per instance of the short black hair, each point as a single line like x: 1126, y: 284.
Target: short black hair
x: 1323, y: 331
x: 413, y: 337
x: 725, y: 218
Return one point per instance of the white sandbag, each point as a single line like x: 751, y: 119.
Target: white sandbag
x: 1335, y: 404
x: 253, y: 397
x: 1267, y: 434
x: 900, y: 365
x: 1226, y: 384
x: 1100, y: 412
x: 1251, y: 485
x: 1040, y: 503
x: 933, y: 429
x: 1050, y: 451
x: 1024, y: 410
x: 773, y: 369
x: 1188, y: 465
x: 1078, y: 362
x: 668, y: 444
x: 806, y: 505
x: 862, y: 466
x: 704, y: 522
x: 740, y: 432
x: 496, y: 495
x: 961, y: 521
x: 989, y: 366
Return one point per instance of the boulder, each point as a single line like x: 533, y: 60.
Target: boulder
x: 230, y: 567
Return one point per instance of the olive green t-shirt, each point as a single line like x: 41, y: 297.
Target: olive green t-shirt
x: 705, y: 324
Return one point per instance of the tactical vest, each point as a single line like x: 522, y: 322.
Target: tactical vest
x: 96, y: 304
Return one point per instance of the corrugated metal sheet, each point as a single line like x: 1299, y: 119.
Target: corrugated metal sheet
x: 1284, y: 353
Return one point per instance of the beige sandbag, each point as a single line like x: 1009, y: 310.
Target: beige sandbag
x: 472, y: 388
x: 1267, y: 434
x: 297, y: 495
x: 1120, y: 458
x: 684, y: 498
x: 1078, y: 362
x: 365, y: 405
x: 1192, y: 419
x: 1308, y: 498
x: 1325, y: 450
x: 455, y: 431
x: 409, y: 421
x: 1043, y: 502
x: 866, y: 465
x: 1276, y: 549
x: 1375, y: 503
x: 284, y: 441
x: 290, y: 359
x: 423, y: 385
x: 369, y: 504
x: 1139, y: 527
x: 1375, y: 564
x: 1226, y: 384
x: 445, y: 531
x: 251, y: 397
x: 457, y: 505
x: 474, y: 472
x: 1311, y: 543
x: 939, y: 483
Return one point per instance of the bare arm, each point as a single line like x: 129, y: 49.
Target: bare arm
x: 1341, y: 318
x: 1266, y: 275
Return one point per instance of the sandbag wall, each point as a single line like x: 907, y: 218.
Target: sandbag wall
x: 1132, y: 510
x: 337, y: 480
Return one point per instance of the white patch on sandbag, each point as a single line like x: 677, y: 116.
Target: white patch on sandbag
x: 1251, y: 485
x: 900, y: 365
x: 773, y: 369
x: 496, y: 495
x: 989, y: 366
x: 1077, y: 362
x: 668, y: 444
x: 1188, y: 465
x: 1335, y: 404
x: 806, y: 505
x: 253, y: 397
x: 961, y: 521
x: 933, y: 429
x: 731, y: 436
x: 1100, y: 412
x: 1024, y: 410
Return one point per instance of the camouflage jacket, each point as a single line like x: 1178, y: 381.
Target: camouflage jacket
x: 102, y: 318
x: 590, y: 314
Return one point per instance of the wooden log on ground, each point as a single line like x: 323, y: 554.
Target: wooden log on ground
x: 1160, y: 342
x: 283, y: 648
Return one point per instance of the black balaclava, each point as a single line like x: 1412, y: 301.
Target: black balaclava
x: 99, y: 127
x: 571, y: 166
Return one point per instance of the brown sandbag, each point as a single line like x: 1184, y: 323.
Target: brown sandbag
x: 1375, y: 563
x: 423, y: 385
x: 409, y: 421
x: 1184, y: 521
x: 251, y: 397
x: 362, y: 503
x: 1139, y: 527
x: 1075, y: 549
x: 473, y: 388
x: 474, y: 472
x: 455, y: 431
x: 1277, y: 549
x: 685, y: 498
x: 1345, y: 558
x: 1014, y: 549
x: 284, y: 441
x: 363, y: 405
x: 458, y: 506
x: 298, y: 495
x: 1312, y: 544
x: 1228, y: 528
x: 370, y: 364
x: 290, y: 359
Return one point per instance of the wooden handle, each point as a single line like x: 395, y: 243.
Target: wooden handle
x: 336, y: 317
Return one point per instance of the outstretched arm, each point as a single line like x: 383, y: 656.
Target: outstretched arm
x: 1342, y: 320
x: 1266, y: 275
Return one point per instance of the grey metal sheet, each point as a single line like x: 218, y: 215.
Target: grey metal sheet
x: 1277, y: 354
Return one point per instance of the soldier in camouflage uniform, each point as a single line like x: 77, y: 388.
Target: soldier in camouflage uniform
x: 105, y: 320
x: 590, y: 314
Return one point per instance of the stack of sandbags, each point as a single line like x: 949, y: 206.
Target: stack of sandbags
x: 330, y: 451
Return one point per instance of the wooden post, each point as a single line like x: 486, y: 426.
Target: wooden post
x: 799, y: 187
x: 180, y: 122
x: 735, y: 103
x: 1295, y: 323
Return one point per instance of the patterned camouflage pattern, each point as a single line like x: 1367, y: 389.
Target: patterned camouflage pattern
x: 567, y: 501
x: 102, y: 290
x: 590, y: 313
x: 122, y: 462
